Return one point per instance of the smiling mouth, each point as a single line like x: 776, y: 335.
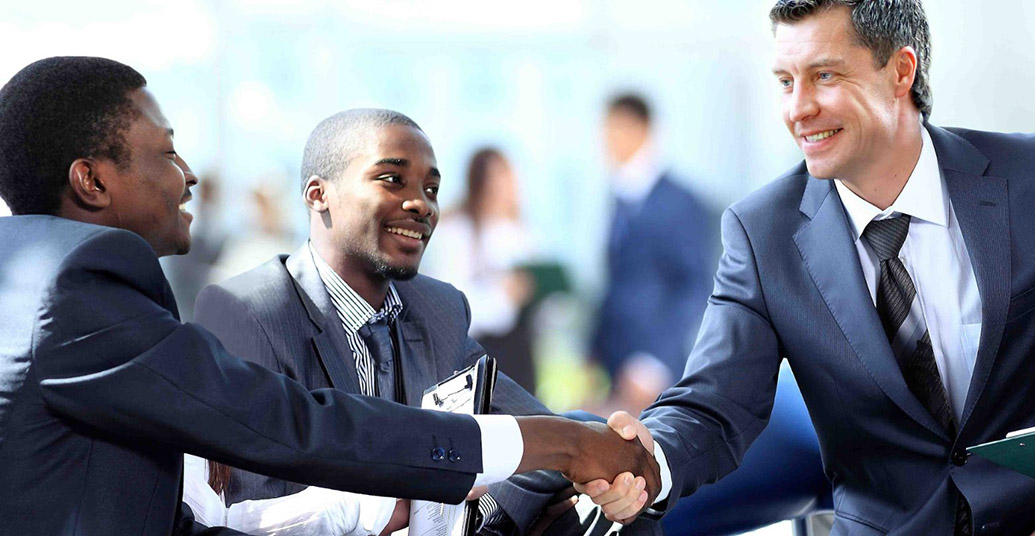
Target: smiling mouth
x: 405, y: 232
x: 820, y: 136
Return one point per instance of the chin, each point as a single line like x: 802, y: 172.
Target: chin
x: 396, y: 272
x: 820, y: 171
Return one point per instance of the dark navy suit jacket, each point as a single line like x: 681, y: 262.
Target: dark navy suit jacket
x: 789, y: 285
x: 660, y: 275
x: 102, y: 389
x: 280, y: 315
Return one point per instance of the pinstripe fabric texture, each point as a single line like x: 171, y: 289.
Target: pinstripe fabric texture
x: 354, y: 312
x: 358, y: 316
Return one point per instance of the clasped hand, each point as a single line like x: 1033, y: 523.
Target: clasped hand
x: 630, y: 451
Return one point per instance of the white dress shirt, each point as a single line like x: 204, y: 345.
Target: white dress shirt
x: 936, y: 258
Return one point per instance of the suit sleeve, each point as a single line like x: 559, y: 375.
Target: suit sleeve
x: 707, y: 420
x: 112, y: 359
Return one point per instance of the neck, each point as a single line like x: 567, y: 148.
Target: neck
x: 881, y: 184
x: 372, y: 288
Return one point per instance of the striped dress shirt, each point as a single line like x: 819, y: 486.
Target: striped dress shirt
x: 354, y: 311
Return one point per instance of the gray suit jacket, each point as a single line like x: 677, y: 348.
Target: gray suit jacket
x: 789, y: 285
x: 280, y: 315
x: 102, y: 390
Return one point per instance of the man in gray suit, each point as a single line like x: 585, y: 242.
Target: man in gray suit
x: 348, y: 309
x: 894, y: 269
x: 102, y: 389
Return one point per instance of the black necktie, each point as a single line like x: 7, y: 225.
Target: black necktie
x: 899, y: 310
x: 378, y: 337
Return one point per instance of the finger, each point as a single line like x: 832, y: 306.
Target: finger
x: 477, y: 492
x: 629, y: 513
x: 623, y: 423
x: 622, y: 492
x: 558, y: 508
x: 629, y: 504
x: 593, y: 488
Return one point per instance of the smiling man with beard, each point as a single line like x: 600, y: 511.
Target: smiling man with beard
x: 348, y: 309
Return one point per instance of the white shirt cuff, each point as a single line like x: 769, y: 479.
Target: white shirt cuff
x: 502, y: 448
x: 666, y: 476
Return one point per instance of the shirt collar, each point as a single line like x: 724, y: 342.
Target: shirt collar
x: 352, y: 309
x: 633, y: 180
x: 923, y: 197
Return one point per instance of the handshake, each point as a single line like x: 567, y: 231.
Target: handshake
x: 614, y: 463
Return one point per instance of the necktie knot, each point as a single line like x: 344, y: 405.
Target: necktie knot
x: 378, y: 338
x: 887, y: 236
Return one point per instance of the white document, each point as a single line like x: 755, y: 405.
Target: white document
x: 457, y: 394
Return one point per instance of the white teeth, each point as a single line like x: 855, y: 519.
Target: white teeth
x: 405, y: 232
x: 821, y: 136
x: 183, y: 207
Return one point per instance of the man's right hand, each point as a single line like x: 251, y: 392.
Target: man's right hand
x: 587, y: 451
x: 613, y: 497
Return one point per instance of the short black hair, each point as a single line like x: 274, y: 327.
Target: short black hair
x: 630, y: 103
x: 53, y: 112
x: 883, y: 26
x: 335, y: 140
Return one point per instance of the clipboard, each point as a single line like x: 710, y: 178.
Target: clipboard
x: 468, y: 391
x: 1016, y: 452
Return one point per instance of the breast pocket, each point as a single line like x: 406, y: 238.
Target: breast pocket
x: 1023, y: 304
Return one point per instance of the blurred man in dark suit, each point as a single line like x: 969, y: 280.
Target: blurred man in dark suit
x: 659, y: 260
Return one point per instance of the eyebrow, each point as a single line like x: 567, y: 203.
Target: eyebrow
x: 818, y: 64
x: 404, y: 163
x: 169, y: 131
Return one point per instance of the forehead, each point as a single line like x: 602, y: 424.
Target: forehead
x: 148, y: 115
x: 397, y: 141
x: 827, y: 32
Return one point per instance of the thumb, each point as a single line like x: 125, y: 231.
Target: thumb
x: 623, y: 424
x: 629, y: 428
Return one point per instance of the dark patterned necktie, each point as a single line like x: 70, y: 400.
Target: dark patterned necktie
x: 899, y: 310
x: 378, y: 337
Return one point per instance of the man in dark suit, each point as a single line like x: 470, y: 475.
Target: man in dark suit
x: 102, y: 389
x: 659, y: 260
x: 370, y: 181
x: 894, y: 269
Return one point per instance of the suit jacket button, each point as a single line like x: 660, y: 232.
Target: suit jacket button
x: 959, y: 457
x: 438, y: 453
x: 454, y: 456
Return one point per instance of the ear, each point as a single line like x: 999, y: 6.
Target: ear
x: 86, y: 185
x: 904, y: 63
x: 314, y: 192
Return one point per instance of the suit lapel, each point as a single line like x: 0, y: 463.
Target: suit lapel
x: 827, y: 247
x: 418, y: 371
x: 332, y: 349
x: 980, y: 204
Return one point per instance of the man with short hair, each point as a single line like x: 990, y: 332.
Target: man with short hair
x: 894, y: 269
x: 102, y: 389
x: 370, y: 182
x: 659, y: 262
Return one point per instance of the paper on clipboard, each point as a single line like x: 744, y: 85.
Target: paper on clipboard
x: 468, y: 391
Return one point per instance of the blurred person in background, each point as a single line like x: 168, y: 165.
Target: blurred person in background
x: 481, y: 247
x: 659, y: 263
x: 269, y: 231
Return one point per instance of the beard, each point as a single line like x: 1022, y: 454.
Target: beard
x: 394, y: 273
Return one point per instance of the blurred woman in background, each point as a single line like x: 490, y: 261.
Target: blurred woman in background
x: 480, y: 247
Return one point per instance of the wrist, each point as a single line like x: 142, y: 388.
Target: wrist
x: 549, y: 443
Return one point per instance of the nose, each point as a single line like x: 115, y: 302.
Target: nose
x: 419, y: 207
x: 188, y: 174
x: 801, y: 104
